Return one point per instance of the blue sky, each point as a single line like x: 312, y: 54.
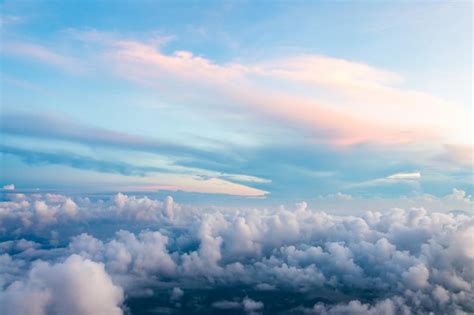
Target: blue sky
x: 272, y: 101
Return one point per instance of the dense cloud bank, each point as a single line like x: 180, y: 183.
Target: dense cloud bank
x: 56, y: 254
x: 77, y: 286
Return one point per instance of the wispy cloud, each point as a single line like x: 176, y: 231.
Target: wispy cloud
x: 405, y: 176
x: 366, y: 106
x: 80, y: 162
x: 53, y: 126
x: 353, y: 103
x: 45, y: 55
x: 147, y: 178
x: 10, y: 19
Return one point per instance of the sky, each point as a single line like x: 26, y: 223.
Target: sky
x: 254, y: 102
x: 236, y: 157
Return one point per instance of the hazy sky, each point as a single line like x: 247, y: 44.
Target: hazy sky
x: 287, y: 100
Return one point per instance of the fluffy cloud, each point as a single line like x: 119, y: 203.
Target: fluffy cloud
x: 144, y: 254
x: 394, y: 262
x: 9, y: 187
x: 77, y: 286
x: 385, y: 307
x: 35, y: 211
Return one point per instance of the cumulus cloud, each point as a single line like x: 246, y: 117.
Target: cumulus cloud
x: 251, y: 305
x: 9, y: 187
x: 144, y: 254
x: 385, y: 307
x: 400, y: 261
x: 77, y: 286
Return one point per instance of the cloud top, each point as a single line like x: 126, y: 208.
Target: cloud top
x: 398, y: 261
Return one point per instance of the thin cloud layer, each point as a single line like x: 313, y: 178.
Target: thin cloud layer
x: 348, y: 121
x: 356, y: 102
x: 239, y: 120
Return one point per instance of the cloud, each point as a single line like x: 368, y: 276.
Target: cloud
x: 9, y: 187
x: 394, y: 179
x: 405, y: 176
x: 10, y: 19
x: 337, y: 196
x: 390, y: 262
x: 345, y: 102
x: 79, y: 161
x: 179, y: 177
x: 251, y: 305
x: 50, y: 126
x: 456, y: 200
x: 328, y: 103
x: 349, y: 118
x: 247, y: 304
x: 212, y: 185
x: 461, y: 155
x: 147, y: 177
x: 176, y: 294
x: 385, y: 307
x: 43, y: 54
x: 245, y: 178
x: 20, y: 213
x: 143, y: 254
x: 77, y: 286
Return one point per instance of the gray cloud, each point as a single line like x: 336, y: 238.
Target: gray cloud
x: 80, y: 162
x: 61, y: 128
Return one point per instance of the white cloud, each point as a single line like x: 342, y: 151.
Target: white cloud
x: 420, y: 260
x: 394, y: 179
x: 355, y: 102
x: 386, y: 307
x: 9, y: 187
x: 77, y: 286
x: 405, y: 176
x: 245, y: 178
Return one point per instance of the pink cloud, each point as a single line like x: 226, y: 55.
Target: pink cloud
x: 462, y: 155
x: 210, y: 186
x: 333, y: 101
x: 365, y: 109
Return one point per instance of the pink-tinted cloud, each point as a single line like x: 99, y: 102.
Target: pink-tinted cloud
x: 365, y: 108
x: 191, y: 184
x: 462, y: 155
x: 333, y: 101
